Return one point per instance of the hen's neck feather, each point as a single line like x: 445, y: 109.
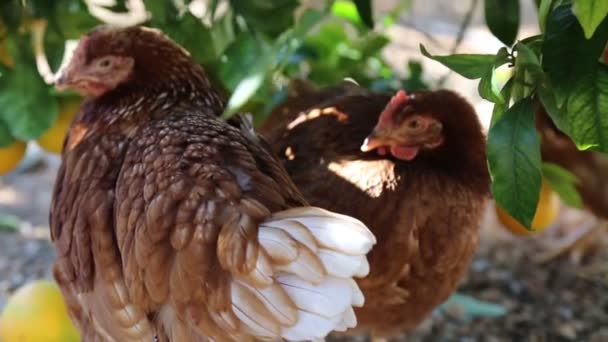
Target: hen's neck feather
x: 180, y: 86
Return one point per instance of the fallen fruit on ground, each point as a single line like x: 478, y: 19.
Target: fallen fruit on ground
x: 546, y: 212
x: 36, y: 312
x: 11, y: 156
x: 52, y: 139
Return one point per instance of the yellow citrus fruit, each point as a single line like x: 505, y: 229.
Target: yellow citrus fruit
x: 36, y: 312
x: 546, y: 212
x: 11, y: 155
x: 5, y: 57
x: 52, y: 140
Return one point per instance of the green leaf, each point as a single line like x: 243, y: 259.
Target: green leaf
x: 347, y: 10
x: 501, y: 108
x: 515, y: 163
x: 590, y: 14
x: 528, y: 60
x: 566, y: 52
x: 160, y: 10
x: 309, y: 19
x: 27, y: 116
x: 189, y: 32
x: 269, y: 17
x: 243, y: 92
x: 488, y: 87
x: 471, y: 66
x: 364, y: 7
x: 543, y: 11
x: 587, y: 110
x: 71, y: 19
x: 502, y: 18
x: 564, y: 183
x: 244, y: 57
x: 5, y: 135
x: 558, y: 115
x: 528, y: 71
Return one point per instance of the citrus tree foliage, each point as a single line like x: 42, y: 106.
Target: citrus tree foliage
x: 251, y: 47
x: 564, y: 70
x: 254, y: 47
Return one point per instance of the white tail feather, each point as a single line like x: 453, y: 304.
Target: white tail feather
x: 302, y: 287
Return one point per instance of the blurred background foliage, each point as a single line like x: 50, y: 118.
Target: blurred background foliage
x: 253, y: 48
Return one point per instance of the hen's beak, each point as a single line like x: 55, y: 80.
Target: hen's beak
x: 63, y: 81
x: 376, y: 139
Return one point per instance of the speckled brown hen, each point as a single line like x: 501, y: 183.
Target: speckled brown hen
x: 421, y: 187
x: 170, y: 223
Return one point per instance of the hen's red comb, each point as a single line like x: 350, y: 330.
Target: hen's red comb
x: 396, y: 101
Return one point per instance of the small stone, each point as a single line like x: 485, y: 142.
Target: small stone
x: 567, y: 331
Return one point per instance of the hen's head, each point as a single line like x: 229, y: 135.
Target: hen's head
x: 108, y: 57
x: 437, y: 123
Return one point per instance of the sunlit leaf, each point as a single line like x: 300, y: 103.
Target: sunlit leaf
x: 346, y: 9
x: 563, y: 182
x: 515, y: 163
x: 502, y: 18
x: 500, y: 108
x: 488, y: 87
x: 243, y: 92
x: 590, y: 14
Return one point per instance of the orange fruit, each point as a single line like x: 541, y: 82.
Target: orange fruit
x: 52, y: 140
x: 546, y: 213
x: 11, y: 155
x: 37, y: 312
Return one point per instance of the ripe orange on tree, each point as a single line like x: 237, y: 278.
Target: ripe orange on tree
x: 11, y: 156
x: 546, y: 212
x: 52, y: 140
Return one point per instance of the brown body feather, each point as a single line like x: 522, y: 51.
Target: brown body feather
x: 157, y: 206
x: 425, y: 213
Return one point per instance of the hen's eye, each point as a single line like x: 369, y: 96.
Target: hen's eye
x: 105, y: 63
x: 413, y: 124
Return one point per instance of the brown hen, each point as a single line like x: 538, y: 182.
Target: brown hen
x: 590, y: 169
x: 170, y: 223
x: 421, y: 187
